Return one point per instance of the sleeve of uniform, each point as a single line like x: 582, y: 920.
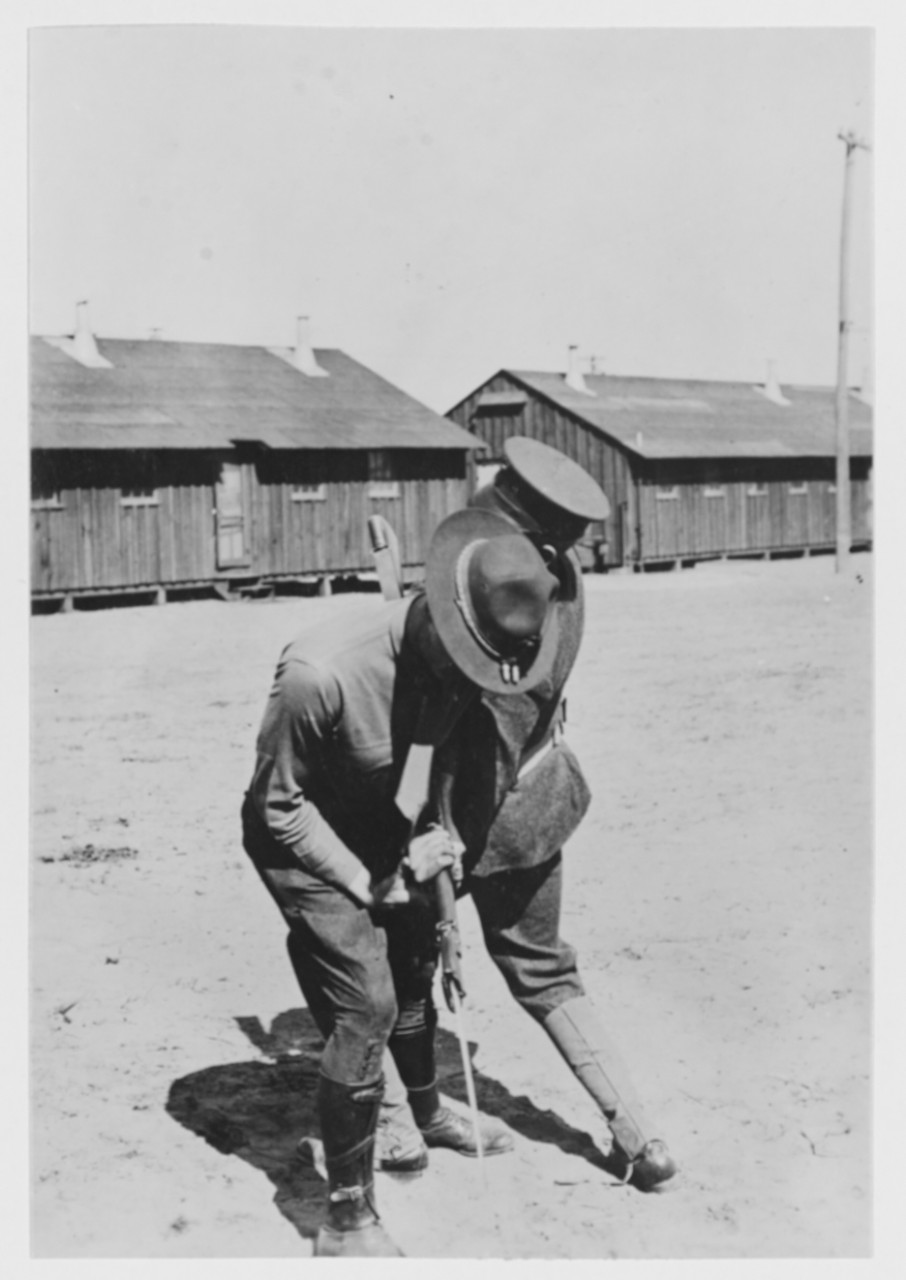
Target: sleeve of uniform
x: 300, y: 714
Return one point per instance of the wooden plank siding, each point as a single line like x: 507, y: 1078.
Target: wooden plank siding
x: 694, y: 525
x: 93, y: 540
x: 752, y: 506
x: 540, y: 420
x: 330, y: 535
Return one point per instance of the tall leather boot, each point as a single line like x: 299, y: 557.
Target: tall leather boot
x: 352, y: 1228
x: 575, y: 1028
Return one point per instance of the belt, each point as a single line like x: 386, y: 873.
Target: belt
x: 538, y: 755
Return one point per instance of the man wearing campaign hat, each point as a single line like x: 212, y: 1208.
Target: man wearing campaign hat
x: 513, y: 866
x: 324, y: 829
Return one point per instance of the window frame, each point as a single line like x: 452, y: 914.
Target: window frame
x: 384, y: 489
x: 50, y: 501
x: 140, y: 496
x: 381, y: 482
x: 309, y: 492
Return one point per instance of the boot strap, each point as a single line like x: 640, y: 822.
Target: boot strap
x: 344, y: 1194
x: 350, y: 1155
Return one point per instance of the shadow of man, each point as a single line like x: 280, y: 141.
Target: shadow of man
x: 259, y: 1110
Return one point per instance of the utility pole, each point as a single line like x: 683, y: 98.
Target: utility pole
x: 843, y: 513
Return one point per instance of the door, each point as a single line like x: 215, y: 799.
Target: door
x: 229, y: 515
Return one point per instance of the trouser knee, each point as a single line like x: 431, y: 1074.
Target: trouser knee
x: 519, y: 912
x: 540, y: 989
x: 356, y: 1045
x: 355, y: 1010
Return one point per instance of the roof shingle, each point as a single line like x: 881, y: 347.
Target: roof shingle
x: 188, y: 395
x: 680, y: 418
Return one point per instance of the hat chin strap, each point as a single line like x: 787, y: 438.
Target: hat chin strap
x: 514, y: 508
x: 510, y: 672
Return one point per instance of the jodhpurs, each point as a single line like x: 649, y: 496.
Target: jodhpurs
x: 520, y: 917
x: 362, y: 980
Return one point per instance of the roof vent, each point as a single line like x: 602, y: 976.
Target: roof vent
x: 82, y: 347
x: 303, y: 355
x: 771, y: 389
x: 574, y: 379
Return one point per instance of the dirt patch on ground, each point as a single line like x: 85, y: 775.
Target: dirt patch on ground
x: 718, y: 894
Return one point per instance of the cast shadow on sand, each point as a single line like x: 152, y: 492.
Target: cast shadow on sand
x: 259, y: 1110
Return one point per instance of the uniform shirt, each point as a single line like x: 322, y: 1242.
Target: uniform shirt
x: 523, y: 720
x: 502, y: 733
x: 519, y: 724
x: 338, y: 721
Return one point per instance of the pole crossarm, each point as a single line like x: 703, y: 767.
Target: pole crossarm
x: 852, y: 140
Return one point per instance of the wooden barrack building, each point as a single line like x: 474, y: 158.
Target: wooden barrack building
x: 692, y: 469
x: 164, y: 465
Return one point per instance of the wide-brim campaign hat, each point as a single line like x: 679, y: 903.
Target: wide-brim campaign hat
x: 556, y: 479
x: 492, y: 601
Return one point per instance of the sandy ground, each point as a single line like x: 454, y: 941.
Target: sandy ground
x: 719, y: 894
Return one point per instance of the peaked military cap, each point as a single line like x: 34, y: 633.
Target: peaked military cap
x: 555, y: 478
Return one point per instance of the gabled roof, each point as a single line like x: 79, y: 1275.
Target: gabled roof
x: 194, y: 395
x: 681, y: 418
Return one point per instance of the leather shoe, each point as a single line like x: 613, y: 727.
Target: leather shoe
x: 652, y: 1167
x: 448, y: 1129
x: 399, y: 1148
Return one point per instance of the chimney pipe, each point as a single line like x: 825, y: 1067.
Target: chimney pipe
x: 82, y: 346
x: 574, y: 378
x: 304, y: 356
x: 86, y: 347
x: 772, y: 390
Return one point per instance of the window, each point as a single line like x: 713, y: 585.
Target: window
x: 139, y: 476
x: 309, y: 492
x: 715, y: 491
x: 797, y: 490
x: 139, y: 495
x: 757, y: 491
x: 666, y: 492
x: 43, y: 498
x: 500, y: 404
x: 380, y: 475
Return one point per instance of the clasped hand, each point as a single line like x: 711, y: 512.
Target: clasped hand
x: 427, y: 855
x: 431, y: 852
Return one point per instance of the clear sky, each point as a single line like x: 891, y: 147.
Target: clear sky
x: 443, y: 203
